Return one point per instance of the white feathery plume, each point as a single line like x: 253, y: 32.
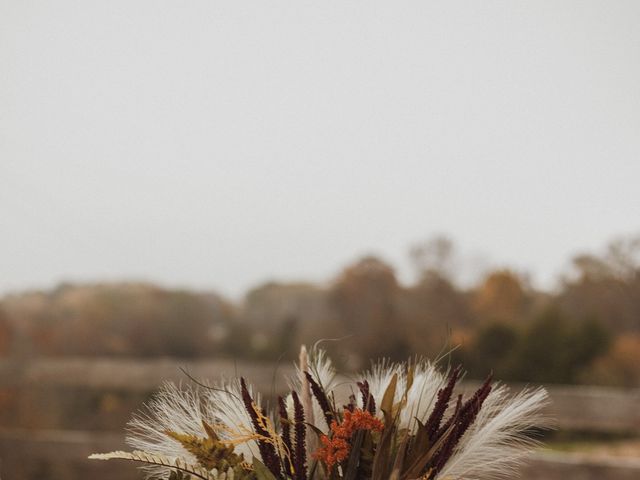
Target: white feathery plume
x: 305, y: 393
x: 427, y: 380
x: 224, y: 403
x: 496, y: 443
x: 173, y: 409
x: 321, y: 368
x: 421, y: 397
x: 380, y: 376
x: 183, y: 410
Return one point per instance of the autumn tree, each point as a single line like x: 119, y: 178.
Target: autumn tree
x: 120, y: 319
x: 433, y: 310
x: 300, y: 310
x: 5, y: 334
x: 364, y: 301
x: 606, y: 286
x: 619, y: 366
x: 500, y: 298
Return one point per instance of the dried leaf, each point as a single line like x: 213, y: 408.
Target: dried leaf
x: 387, y: 399
x: 261, y: 471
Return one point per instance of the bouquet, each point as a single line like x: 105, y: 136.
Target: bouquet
x: 395, y: 422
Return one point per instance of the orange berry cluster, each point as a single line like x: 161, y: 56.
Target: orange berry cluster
x: 336, y: 448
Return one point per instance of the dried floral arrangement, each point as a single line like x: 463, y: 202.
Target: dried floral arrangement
x: 397, y: 422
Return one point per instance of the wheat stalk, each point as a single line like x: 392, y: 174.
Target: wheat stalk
x: 154, y: 459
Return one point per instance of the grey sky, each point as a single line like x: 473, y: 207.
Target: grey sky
x: 218, y: 144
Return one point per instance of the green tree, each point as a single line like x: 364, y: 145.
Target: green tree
x: 555, y: 349
x: 492, y: 350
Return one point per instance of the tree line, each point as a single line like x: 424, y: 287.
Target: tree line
x: 587, y: 330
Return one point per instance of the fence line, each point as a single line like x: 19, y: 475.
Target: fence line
x: 572, y: 407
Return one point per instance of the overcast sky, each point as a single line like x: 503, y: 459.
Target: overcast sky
x: 214, y: 144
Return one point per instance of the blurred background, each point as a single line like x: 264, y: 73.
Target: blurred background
x: 209, y: 185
